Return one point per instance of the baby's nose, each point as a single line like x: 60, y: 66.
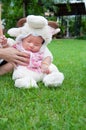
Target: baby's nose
x: 31, y: 44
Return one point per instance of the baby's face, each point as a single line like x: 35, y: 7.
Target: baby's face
x: 32, y: 43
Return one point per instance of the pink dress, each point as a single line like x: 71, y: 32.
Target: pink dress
x: 35, y: 58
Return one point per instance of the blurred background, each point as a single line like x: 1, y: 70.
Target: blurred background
x: 69, y: 14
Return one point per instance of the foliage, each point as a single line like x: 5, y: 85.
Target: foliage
x: 62, y: 108
x: 81, y: 37
x: 82, y: 27
x: 13, y: 10
x: 83, y: 24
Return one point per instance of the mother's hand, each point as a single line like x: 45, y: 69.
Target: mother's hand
x: 12, y: 55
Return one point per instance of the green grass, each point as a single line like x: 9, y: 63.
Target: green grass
x: 62, y: 108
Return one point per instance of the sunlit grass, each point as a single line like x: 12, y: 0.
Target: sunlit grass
x: 60, y: 108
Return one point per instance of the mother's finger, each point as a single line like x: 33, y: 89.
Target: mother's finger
x: 23, y: 54
x: 22, y: 60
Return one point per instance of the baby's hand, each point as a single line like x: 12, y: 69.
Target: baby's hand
x: 45, y: 68
x: 3, y: 41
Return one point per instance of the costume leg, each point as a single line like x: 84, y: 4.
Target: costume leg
x: 55, y: 78
x: 26, y: 82
x: 23, y: 78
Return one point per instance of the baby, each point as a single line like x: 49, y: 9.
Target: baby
x: 39, y: 68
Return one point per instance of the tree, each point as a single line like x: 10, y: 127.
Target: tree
x: 13, y: 10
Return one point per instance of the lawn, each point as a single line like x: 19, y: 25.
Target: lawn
x: 62, y: 108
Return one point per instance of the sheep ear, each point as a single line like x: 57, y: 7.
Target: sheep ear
x: 21, y: 22
x: 54, y: 27
x: 54, y: 31
x: 53, y: 24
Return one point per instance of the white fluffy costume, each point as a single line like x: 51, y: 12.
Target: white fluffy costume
x: 27, y: 78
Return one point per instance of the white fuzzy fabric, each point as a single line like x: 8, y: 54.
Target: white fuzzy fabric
x: 37, y: 25
x: 36, y: 22
x: 27, y: 79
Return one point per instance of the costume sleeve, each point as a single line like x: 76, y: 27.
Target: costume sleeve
x: 48, y: 53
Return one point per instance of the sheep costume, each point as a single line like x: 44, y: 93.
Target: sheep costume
x: 27, y: 78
